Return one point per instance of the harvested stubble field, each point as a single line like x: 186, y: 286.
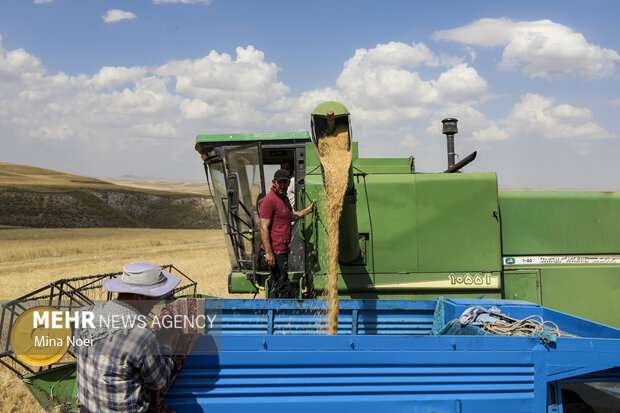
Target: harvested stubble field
x: 32, y: 258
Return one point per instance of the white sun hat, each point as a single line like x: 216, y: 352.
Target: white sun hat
x: 143, y: 278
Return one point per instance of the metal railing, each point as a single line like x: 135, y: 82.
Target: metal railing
x: 69, y: 294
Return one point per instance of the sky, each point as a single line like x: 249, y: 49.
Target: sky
x: 112, y: 88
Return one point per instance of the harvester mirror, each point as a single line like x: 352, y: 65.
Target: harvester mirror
x: 232, y: 186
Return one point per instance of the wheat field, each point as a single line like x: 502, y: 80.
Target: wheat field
x: 32, y: 258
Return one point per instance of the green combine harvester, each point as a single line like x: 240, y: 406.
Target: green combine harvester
x: 407, y: 239
x: 408, y: 234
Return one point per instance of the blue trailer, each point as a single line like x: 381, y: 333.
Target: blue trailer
x: 394, y: 356
x: 388, y: 356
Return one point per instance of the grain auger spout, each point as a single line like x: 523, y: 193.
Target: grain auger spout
x: 331, y: 131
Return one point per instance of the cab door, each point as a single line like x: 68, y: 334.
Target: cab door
x: 245, y: 186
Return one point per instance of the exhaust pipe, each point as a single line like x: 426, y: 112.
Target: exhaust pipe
x: 450, y: 129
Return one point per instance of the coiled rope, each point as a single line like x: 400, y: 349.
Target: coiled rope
x: 534, y: 324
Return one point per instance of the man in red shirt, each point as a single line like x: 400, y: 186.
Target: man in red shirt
x: 276, y: 215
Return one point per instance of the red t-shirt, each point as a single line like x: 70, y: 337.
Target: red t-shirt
x: 278, y: 210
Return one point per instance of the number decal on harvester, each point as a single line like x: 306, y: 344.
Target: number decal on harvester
x: 468, y: 279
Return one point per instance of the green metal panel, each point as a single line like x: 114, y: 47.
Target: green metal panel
x: 522, y: 285
x: 391, y: 218
x: 226, y: 138
x: 457, y: 224
x: 388, y: 214
x: 338, y: 108
x: 382, y: 166
x: 554, y: 222
x: 239, y: 283
x: 354, y: 152
x: 317, y: 247
x: 587, y: 291
x: 55, y: 389
x: 391, y: 208
x: 313, y: 165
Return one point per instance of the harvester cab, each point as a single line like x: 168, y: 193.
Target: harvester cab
x: 239, y: 168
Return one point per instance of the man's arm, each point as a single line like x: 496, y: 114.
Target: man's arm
x: 295, y: 215
x: 155, y: 364
x: 266, y: 238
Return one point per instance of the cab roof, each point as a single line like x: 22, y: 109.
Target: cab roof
x: 230, y: 138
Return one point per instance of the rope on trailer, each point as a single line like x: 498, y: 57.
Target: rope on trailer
x: 532, y: 325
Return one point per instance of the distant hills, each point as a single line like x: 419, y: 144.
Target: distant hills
x: 37, y: 197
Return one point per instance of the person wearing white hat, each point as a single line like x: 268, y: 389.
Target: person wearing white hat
x: 125, y: 362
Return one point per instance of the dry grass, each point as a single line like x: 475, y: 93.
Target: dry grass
x: 161, y: 185
x: 39, y: 179
x: 32, y: 258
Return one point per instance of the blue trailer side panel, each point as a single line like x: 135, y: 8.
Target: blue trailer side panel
x: 364, y: 374
x: 274, y: 364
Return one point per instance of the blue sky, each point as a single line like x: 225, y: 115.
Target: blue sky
x: 111, y: 88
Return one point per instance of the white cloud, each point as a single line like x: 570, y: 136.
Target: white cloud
x: 492, y: 133
x: 155, y: 130
x: 540, y: 48
x: 195, y: 109
x: 581, y: 147
x: 460, y: 83
x: 220, y: 92
x: 483, y: 32
x: 17, y: 64
x: 382, y: 78
x: 116, y: 15
x: 568, y: 113
x: 120, y: 112
x: 217, y: 78
x: 396, y: 54
x: 538, y: 116
x: 472, y: 53
x: 183, y: 1
x: 110, y: 77
x: 42, y: 1
x: 410, y: 141
x: 59, y: 131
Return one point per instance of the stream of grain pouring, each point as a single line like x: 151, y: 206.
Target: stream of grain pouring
x: 336, y: 160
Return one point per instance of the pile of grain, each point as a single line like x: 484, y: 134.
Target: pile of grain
x: 336, y: 160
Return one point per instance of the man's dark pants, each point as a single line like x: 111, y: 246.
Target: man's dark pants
x: 279, y: 285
